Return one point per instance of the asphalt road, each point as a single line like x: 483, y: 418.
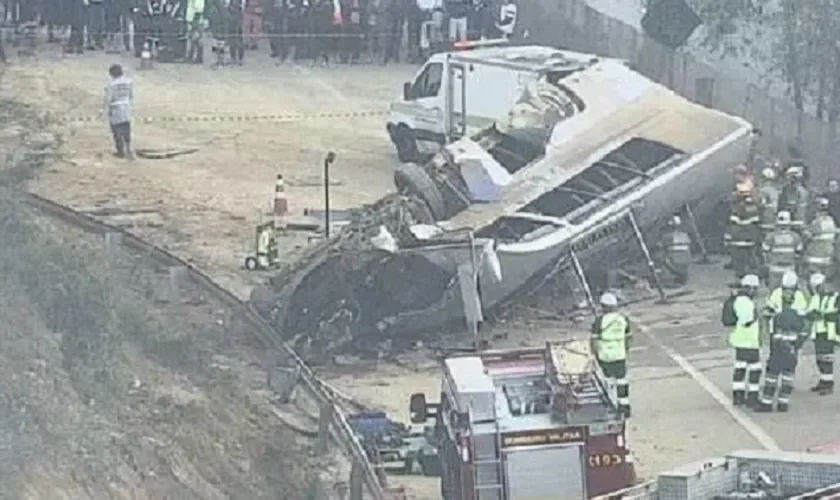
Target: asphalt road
x: 681, y: 372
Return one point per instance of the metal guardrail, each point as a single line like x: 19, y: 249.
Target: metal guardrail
x: 339, y: 427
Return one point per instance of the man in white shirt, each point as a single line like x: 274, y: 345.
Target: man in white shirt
x: 507, y: 18
x: 119, y: 104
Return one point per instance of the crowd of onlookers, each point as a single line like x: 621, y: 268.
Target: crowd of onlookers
x: 317, y: 30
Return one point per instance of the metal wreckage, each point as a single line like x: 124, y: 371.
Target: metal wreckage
x: 584, y: 169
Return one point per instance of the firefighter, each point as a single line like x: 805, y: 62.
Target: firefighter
x: 610, y: 342
x: 788, y: 335
x: 267, y: 254
x: 833, y: 196
x: 744, y: 181
x: 781, y: 250
x: 745, y: 340
x: 794, y: 198
x: 768, y: 196
x: 819, y: 237
x: 788, y: 288
x: 822, y: 313
x: 744, y: 232
x: 676, y: 248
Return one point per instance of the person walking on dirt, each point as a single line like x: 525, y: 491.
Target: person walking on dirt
x: 119, y: 103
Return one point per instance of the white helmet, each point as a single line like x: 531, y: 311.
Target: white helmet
x: 676, y: 221
x: 750, y: 280
x: 768, y: 173
x: 789, y: 279
x: 609, y: 300
x: 795, y: 171
x: 816, y: 280
x: 783, y: 217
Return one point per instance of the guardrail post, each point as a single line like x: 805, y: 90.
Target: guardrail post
x: 356, y: 481
x: 342, y: 489
x: 113, y: 241
x: 315, y: 486
x: 379, y: 468
x: 176, y: 277
x: 324, y: 428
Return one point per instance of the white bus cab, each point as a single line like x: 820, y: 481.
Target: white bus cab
x: 482, y: 78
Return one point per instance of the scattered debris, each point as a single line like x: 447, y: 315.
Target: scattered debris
x: 393, y: 270
x: 163, y: 154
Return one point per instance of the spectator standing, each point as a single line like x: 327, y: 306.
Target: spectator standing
x: 320, y: 29
x: 236, y: 30
x: 414, y: 17
x: 507, y: 18
x: 376, y: 38
x: 476, y: 19
x: 195, y: 54
x: 277, y: 29
x: 353, y: 29
x: 457, y: 12
x: 53, y: 16
x: 78, y: 20
x: 119, y: 105
x: 392, y: 21
x: 96, y: 24
x: 297, y: 15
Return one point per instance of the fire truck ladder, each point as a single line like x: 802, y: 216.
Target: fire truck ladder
x: 588, y: 387
x: 487, y: 461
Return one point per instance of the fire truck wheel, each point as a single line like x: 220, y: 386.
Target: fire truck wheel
x: 408, y: 466
x: 405, y: 144
x: 251, y: 263
x: 429, y: 465
x: 411, y: 179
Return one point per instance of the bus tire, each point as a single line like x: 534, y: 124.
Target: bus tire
x: 411, y: 179
x: 405, y: 144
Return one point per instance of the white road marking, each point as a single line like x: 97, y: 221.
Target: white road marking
x: 740, y: 417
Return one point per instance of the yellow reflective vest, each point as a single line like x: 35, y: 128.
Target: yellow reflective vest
x: 746, y: 333
x: 611, y: 337
x: 774, y: 301
x: 824, y: 309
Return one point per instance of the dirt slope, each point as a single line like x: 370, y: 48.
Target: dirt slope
x: 105, y: 392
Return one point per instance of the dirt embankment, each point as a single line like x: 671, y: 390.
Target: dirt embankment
x: 104, y: 392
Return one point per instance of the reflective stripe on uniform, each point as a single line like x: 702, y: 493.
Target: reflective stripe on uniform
x: 818, y: 260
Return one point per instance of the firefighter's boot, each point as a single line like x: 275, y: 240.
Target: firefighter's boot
x: 827, y: 388
x: 762, y: 407
x: 819, y: 387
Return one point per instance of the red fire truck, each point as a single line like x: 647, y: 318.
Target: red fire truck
x: 527, y: 424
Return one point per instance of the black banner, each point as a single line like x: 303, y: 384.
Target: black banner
x: 544, y: 436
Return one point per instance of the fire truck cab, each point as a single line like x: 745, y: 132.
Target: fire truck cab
x: 527, y: 424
